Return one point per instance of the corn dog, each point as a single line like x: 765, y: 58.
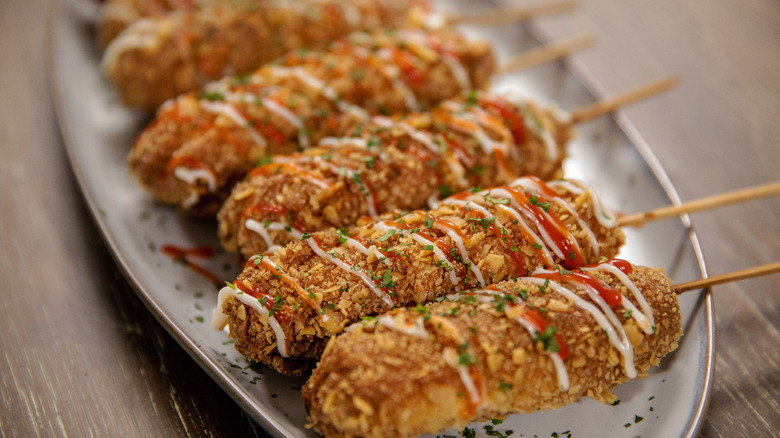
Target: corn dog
x: 522, y: 345
x: 389, y: 164
x: 283, y: 307
x: 201, y: 144
x: 157, y: 58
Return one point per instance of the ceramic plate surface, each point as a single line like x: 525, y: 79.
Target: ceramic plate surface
x: 98, y: 133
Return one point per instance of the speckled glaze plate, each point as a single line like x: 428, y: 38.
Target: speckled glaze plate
x: 607, y: 153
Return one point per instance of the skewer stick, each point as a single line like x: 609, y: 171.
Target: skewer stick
x: 607, y: 106
x: 547, y: 53
x: 701, y: 204
x: 499, y: 16
x: 726, y: 278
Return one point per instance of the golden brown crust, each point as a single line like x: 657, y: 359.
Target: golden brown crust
x: 227, y: 128
x: 166, y: 54
x: 393, y: 164
x: 316, y: 298
x: 374, y: 381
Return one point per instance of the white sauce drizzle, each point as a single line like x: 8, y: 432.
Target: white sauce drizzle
x: 319, y: 85
x: 644, y: 319
x: 371, y: 250
x: 606, y: 320
x: 191, y: 176
x: 263, y: 228
x: 473, y: 128
x: 605, y: 216
x: 462, y: 249
x: 560, y: 370
x: 289, y: 116
x: 141, y: 35
x: 437, y: 252
x: 457, y: 70
x: 229, y: 111
x: 393, y: 73
x: 219, y: 320
x: 530, y: 185
x: 292, y: 161
x: 401, y: 325
x: 530, y: 122
x: 427, y: 140
x: 504, y: 194
x: 357, y: 142
x: 355, y: 177
x: 345, y: 267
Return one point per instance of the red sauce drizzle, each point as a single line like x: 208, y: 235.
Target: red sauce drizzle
x: 452, y: 227
x: 181, y: 254
x: 471, y: 407
x: 555, y: 229
x: 623, y: 265
x: 282, y: 313
x: 257, y: 210
x: 517, y: 257
x: 442, y: 245
x: 405, y: 62
x: 187, y: 161
x: 389, y: 254
x: 510, y: 117
x: 535, y: 318
x: 503, y: 165
x: 264, y: 263
x: 543, y: 187
x: 351, y: 265
x: 273, y: 168
x: 610, y: 295
x: 454, y: 144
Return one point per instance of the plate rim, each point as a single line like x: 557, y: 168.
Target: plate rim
x: 574, y: 67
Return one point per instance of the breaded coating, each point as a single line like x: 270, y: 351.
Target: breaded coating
x: 201, y: 144
x: 287, y: 304
x: 116, y: 15
x: 392, y: 164
x: 158, y: 58
x: 519, y: 346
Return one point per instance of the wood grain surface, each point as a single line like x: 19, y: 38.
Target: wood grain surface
x: 80, y: 355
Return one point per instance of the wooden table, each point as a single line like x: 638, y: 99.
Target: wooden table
x: 81, y: 355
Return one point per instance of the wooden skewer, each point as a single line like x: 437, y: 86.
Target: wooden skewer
x: 726, y: 278
x: 607, y: 106
x: 701, y: 204
x: 499, y: 16
x: 547, y: 53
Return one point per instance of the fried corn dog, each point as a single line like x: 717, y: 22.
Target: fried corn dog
x: 155, y: 59
x: 282, y: 308
x: 201, y: 144
x: 389, y: 164
x: 531, y: 344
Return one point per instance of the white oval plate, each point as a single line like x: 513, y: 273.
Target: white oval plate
x: 98, y: 133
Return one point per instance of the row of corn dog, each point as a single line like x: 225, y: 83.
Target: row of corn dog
x: 336, y: 410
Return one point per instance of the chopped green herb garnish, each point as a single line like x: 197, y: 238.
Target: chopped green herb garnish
x: 387, y: 279
x: 466, y: 359
x: 211, y: 95
x: 445, y: 191
x: 548, y: 339
x: 387, y: 235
